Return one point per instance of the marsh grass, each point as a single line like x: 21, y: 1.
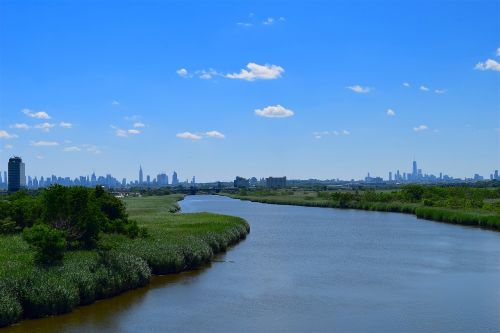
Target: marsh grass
x: 171, y: 243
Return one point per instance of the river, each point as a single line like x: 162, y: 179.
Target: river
x: 306, y: 269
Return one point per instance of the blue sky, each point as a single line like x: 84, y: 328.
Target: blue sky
x: 218, y: 89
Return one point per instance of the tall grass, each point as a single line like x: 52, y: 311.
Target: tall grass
x: 172, y: 243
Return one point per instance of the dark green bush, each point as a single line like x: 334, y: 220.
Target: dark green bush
x: 10, y: 308
x: 49, y: 243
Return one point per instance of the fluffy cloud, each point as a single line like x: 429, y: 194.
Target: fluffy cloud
x: 38, y: 115
x: 268, y: 21
x: 423, y: 88
x: 133, y: 131
x: 44, y: 126
x: 255, y: 72
x: 215, y: 134
x: 207, y: 74
x: 406, y: 84
x: 359, y: 89
x: 182, y: 72
x: 20, y: 126
x: 188, y: 135
x: 274, y: 111
x: 488, y: 65
x: 421, y: 128
x: 121, y: 133
x: 391, y: 112
x: 7, y: 135
x: 44, y: 143
x: 72, y: 149
x: 65, y: 125
x: 440, y: 91
x: 139, y: 125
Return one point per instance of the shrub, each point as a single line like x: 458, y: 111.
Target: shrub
x: 7, y: 226
x: 49, y: 243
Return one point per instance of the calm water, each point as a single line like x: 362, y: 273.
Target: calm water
x: 315, y: 269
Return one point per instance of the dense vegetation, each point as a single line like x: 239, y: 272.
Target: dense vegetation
x: 452, y: 204
x: 124, y: 244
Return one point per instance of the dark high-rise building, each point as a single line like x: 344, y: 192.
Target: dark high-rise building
x: 141, y: 179
x: 276, y: 182
x: 175, y: 180
x: 414, y: 173
x: 17, y: 178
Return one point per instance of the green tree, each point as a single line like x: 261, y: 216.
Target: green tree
x: 49, y: 243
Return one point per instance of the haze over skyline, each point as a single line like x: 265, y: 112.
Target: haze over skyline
x: 317, y: 90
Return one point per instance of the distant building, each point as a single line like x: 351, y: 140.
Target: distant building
x: 241, y: 182
x: 17, y: 178
x: 162, y: 179
x: 276, y: 182
x: 175, y: 180
x: 141, y: 176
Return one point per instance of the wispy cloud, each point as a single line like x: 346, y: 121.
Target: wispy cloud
x: 133, y: 131
x: 72, y: 149
x: 44, y: 143
x: 215, y: 134
x: 274, y: 111
x: 38, y: 115
x: 115, y: 102
x: 6, y: 135
x: 391, y: 112
x: 498, y: 52
x: 268, y: 21
x: 258, y: 72
x: 207, y: 74
x: 20, y: 126
x: 39, y: 157
x: 8, y: 146
x: 65, y: 125
x: 182, y: 72
x: 45, y: 126
x: 423, y: 88
x: 189, y: 135
x: 440, y: 91
x: 406, y: 84
x: 360, y: 89
x: 322, y: 134
x: 244, y: 24
x: 488, y: 65
x: 139, y: 125
x: 420, y: 128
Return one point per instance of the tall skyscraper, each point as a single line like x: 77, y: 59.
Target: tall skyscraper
x: 141, y: 179
x: 175, y: 180
x: 414, y: 173
x: 17, y: 178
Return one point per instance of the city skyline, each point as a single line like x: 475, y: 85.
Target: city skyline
x: 290, y: 95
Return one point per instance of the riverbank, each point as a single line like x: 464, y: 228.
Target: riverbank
x: 170, y: 243
x: 484, y: 218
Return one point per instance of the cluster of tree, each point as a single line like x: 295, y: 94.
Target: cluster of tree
x: 64, y: 218
x: 460, y: 197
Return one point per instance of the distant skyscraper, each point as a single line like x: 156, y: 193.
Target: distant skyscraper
x: 390, y: 176
x: 175, y: 180
x: 17, y: 178
x: 141, y: 180
x: 414, y: 173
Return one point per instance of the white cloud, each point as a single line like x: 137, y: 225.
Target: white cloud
x: 182, y: 72
x: 115, y: 102
x: 119, y: 132
x: 359, y: 89
x: 65, y: 125
x: 319, y: 135
x: 255, y: 71
x: 268, y: 21
x: 207, y: 74
x: 188, y: 135
x: 423, y: 88
x: 139, y: 125
x: 20, y: 126
x: 44, y: 126
x: 215, y: 134
x: 91, y: 149
x: 274, y: 111
x: 498, y: 52
x: 7, y: 146
x: 40, y: 157
x: 391, y: 112
x: 72, y: 149
x: 38, y: 115
x: 44, y: 143
x: 489, y: 64
x: 244, y: 24
x: 7, y: 135
x: 440, y: 91
x: 420, y: 128
x: 133, y: 131
x: 406, y: 84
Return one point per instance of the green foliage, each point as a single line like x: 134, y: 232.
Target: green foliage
x: 7, y: 226
x: 49, y: 243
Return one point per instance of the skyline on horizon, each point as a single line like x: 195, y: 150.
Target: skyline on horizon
x: 312, y: 90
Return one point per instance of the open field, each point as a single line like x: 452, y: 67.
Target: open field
x: 169, y: 243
